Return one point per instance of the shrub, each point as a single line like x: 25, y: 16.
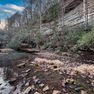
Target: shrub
x: 87, y: 41
x: 17, y: 39
x: 71, y: 37
x: 39, y: 39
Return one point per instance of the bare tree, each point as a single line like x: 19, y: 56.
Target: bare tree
x: 85, y: 11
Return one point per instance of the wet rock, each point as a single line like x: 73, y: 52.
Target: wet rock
x: 21, y: 65
x: 56, y: 92
x: 27, y: 90
x: 46, y: 88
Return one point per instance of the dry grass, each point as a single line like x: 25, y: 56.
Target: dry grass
x: 47, y: 61
x: 85, y: 68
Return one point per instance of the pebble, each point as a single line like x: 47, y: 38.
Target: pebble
x: 34, y: 77
x: 92, y: 83
x: 24, y: 75
x: 56, y: 92
x: 36, y: 80
x: 27, y: 84
x: 46, y: 88
x: 28, y: 70
x: 41, y: 85
x: 33, y: 87
x: 32, y: 62
x: 60, y: 73
x: 83, y: 92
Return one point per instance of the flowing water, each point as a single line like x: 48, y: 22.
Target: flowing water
x: 5, y: 87
x: 6, y: 59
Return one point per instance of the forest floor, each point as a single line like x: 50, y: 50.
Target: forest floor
x: 46, y: 73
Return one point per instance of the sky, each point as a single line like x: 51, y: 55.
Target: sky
x: 10, y: 7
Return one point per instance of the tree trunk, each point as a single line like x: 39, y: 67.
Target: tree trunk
x: 85, y: 12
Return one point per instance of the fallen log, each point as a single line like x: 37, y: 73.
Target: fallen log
x: 29, y: 50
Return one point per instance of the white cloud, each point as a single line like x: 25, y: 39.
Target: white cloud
x: 8, y: 11
x: 12, y: 6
